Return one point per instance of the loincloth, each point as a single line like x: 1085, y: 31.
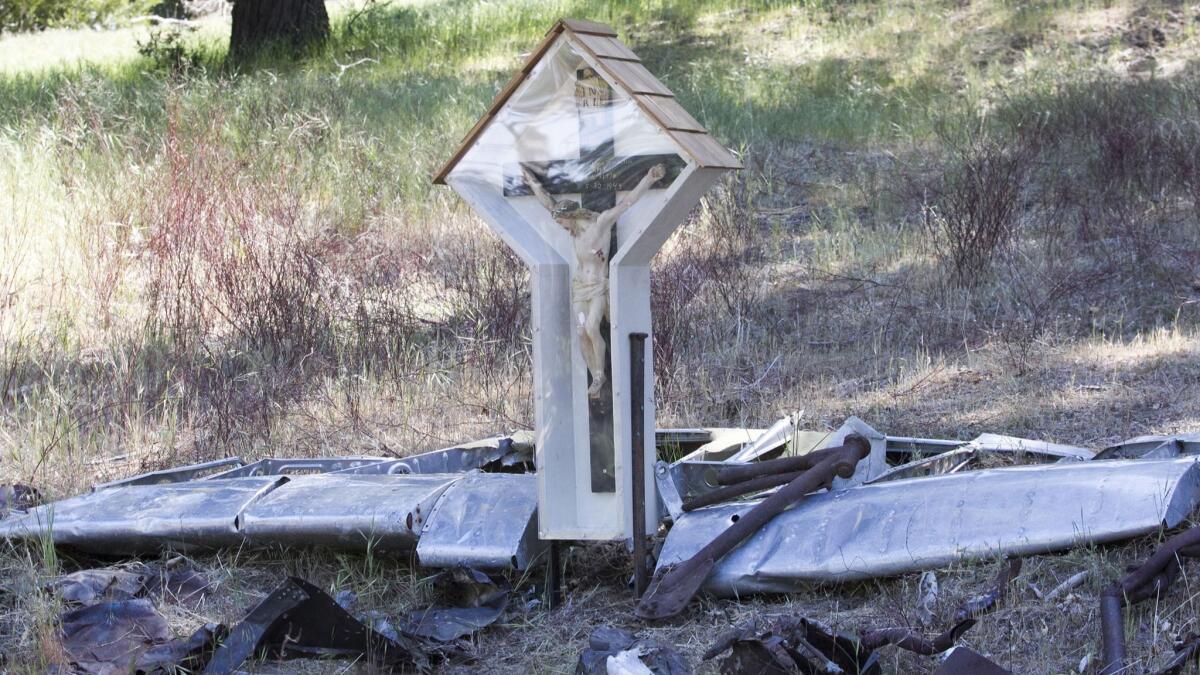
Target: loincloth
x: 583, y: 293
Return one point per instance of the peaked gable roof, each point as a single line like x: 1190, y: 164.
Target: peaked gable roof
x: 625, y: 68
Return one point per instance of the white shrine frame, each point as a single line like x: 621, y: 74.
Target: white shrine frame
x: 568, y: 507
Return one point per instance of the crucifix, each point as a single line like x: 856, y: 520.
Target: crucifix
x: 584, y: 165
x: 598, y: 175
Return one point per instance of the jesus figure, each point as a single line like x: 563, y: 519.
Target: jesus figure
x: 591, y: 233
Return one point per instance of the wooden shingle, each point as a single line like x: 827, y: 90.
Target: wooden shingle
x: 585, y: 27
x: 607, y: 47
x: 707, y: 152
x: 634, y: 77
x: 667, y: 112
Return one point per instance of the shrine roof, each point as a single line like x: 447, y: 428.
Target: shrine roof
x: 625, y: 68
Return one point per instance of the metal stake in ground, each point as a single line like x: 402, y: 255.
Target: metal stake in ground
x: 637, y: 398
x: 673, y: 587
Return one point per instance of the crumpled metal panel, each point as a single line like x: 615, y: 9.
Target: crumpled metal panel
x: 1153, y: 447
x: 903, y: 526
x: 695, y: 474
x: 178, y: 474
x: 140, y: 518
x: 513, y: 450
x: 951, y: 461
x: 346, y: 511
x: 873, y: 465
x: 1012, y: 444
x: 296, y: 466
x: 487, y: 521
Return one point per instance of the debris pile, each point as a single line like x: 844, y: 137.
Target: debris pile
x: 745, y: 512
x: 612, y: 650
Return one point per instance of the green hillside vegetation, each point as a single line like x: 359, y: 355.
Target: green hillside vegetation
x: 955, y: 217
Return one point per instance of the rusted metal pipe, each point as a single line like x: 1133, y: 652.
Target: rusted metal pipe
x: 728, y: 492
x: 737, y: 473
x: 980, y: 605
x: 1112, y: 629
x: 1153, y: 577
x: 637, y: 426
x: 913, y: 641
x: 673, y: 587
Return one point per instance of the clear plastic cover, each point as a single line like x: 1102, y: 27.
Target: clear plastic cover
x: 585, y: 143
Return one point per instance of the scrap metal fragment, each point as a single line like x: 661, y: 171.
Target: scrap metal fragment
x: 183, y: 656
x: 981, y: 604
x: 1024, y: 446
x: 1148, y: 580
x: 948, y: 462
x: 89, y: 587
x: 178, y: 474
x: 384, y: 513
x: 488, y: 521
x: 786, y: 645
x: 480, y: 602
x: 897, y: 527
x: 299, y: 619
x: 182, y: 584
x: 17, y: 497
x: 913, y: 641
x: 98, y: 637
x: 130, y: 635
x: 1153, y: 447
x: 774, y: 438
x: 175, y: 582
x: 673, y: 587
x: 668, y: 491
x: 965, y: 661
x: 136, y: 518
x: 1072, y: 582
x: 927, y: 598
x: 610, y: 647
x: 1187, y: 652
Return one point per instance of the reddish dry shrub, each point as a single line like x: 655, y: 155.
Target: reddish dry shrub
x: 486, y: 303
x: 226, y: 254
x: 972, y: 208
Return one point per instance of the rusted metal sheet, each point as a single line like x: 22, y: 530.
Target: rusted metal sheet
x: 903, y: 526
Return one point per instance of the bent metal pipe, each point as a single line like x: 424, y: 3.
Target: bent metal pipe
x: 673, y: 587
x: 1152, y: 577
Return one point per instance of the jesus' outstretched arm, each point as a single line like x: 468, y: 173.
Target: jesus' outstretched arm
x: 652, y: 176
x: 536, y: 185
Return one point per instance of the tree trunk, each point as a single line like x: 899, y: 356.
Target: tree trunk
x: 286, y: 24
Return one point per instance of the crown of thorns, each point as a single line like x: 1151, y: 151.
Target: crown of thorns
x: 569, y: 208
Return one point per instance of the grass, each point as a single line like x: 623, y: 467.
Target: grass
x: 197, y: 261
